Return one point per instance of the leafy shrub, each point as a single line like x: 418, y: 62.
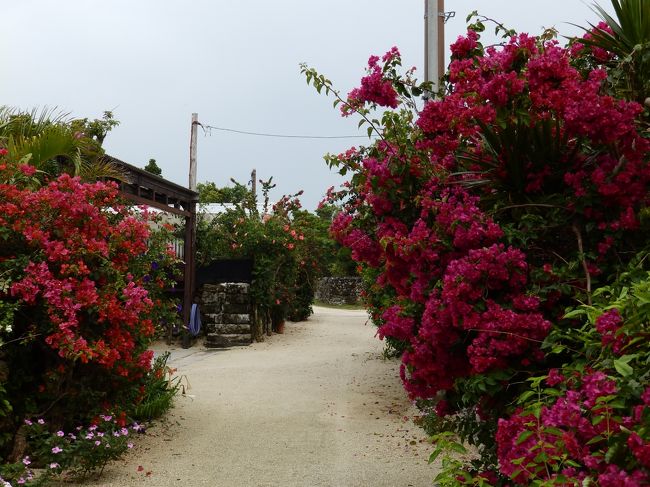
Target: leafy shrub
x: 159, y: 391
x: 76, y: 454
x: 587, y: 420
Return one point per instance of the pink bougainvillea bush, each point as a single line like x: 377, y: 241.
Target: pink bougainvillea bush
x: 83, y: 281
x: 478, y: 218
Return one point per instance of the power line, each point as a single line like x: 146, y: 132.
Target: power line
x: 283, y: 136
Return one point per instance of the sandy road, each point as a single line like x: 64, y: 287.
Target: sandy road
x: 317, y: 406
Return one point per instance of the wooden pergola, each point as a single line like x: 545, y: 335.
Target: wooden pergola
x: 144, y: 188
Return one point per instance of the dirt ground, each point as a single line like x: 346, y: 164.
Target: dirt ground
x: 316, y: 406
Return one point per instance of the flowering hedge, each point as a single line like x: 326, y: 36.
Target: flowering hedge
x: 82, y: 283
x: 478, y: 219
x: 283, y: 243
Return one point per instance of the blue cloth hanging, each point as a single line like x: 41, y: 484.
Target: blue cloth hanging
x: 195, y: 320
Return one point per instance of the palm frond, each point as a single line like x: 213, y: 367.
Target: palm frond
x: 629, y: 41
x: 101, y: 168
x: 50, y: 151
x: 21, y: 123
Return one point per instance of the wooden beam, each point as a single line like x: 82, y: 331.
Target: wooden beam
x: 147, y: 202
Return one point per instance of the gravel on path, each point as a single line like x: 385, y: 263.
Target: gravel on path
x: 316, y: 406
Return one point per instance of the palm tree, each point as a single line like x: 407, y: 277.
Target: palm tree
x: 629, y: 41
x: 55, y: 144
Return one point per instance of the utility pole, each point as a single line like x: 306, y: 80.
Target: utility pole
x: 434, y: 41
x: 195, y: 123
x: 254, y: 190
x: 254, y: 183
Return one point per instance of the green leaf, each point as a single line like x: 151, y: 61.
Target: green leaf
x: 457, y: 447
x: 554, y: 431
x: 525, y: 396
x: 524, y: 436
x: 612, y: 452
x: 471, y: 15
x: 595, y: 439
x: 558, y: 349
x: 574, y: 313
x: 623, y: 368
x: 435, y: 454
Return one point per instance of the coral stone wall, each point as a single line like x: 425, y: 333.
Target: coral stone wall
x: 226, y: 312
x: 339, y: 290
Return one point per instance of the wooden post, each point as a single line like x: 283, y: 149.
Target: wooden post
x: 190, y: 230
x: 190, y: 263
x: 195, y: 123
x: 188, y: 274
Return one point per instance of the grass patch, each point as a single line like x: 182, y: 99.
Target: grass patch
x: 339, y: 306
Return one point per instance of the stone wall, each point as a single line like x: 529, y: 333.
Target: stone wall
x: 339, y: 290
x: 227, y: 314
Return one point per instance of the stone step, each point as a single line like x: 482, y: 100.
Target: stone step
x: 239, y: 319
x: 215, y: 340
x: 228, y: 328
x: 236, y: 308
x: 243, y: 318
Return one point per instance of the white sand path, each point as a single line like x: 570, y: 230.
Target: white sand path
x: 317, y: 406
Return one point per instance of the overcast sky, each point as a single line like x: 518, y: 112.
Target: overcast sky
x: 154, y: 62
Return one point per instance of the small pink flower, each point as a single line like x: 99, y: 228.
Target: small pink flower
x: 129, y: 445
x: 26, y: 461
x: 27, y: 170
x: 97, y: 443
x: 28, y: 422
x: 554, y: 377
x: 54, y: 465
x: 41, y: 421
x: 56, y: 449
x: 60, y: 433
